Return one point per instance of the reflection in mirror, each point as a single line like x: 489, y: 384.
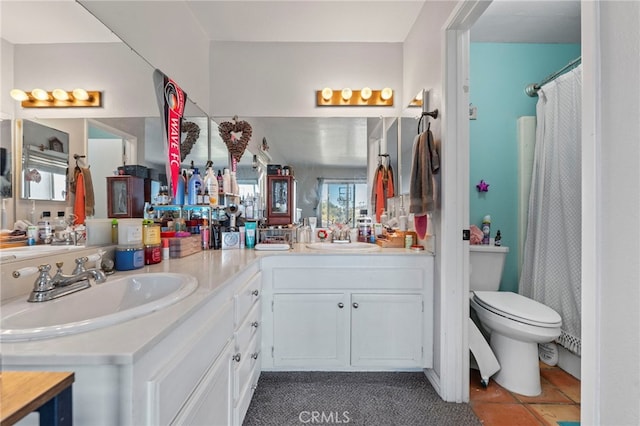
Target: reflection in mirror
x: 45, y: 153
x: 6, y: 154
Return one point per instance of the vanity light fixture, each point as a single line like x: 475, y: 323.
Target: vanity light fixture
x: 58, y: 98
x: 386, y: 94
x: 327, y: 94
x: 365, y: 93
x: 349, y: 97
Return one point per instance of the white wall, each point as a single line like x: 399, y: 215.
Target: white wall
x: 281, y: 79
x: 422, y: 69
x: 124, y: 78
x: 611, y: 241
x: 167, y: 36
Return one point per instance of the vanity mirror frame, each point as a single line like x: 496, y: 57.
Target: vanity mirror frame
x: 46, y: 149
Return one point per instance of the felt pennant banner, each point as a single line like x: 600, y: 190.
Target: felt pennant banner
x: 171, y: 100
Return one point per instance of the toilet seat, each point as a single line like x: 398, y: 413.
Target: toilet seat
x: 517, y: 308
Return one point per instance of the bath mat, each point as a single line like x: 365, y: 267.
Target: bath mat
x: 560, y: 423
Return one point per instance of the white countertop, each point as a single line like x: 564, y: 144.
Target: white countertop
x: 124, y: 343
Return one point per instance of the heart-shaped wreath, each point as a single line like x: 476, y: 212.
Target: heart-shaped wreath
x: 236, y: 135
x: 193, y: 133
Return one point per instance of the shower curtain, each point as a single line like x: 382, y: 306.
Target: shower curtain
x: 552, y: 250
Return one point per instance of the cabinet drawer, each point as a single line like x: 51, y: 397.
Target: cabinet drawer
x: 170, y: 387
x: 246, y: 297
x: 248, y: 329
x: 341, y: 278
x: 210, y: 404
x: 242, y: 406
x: 243, y: 370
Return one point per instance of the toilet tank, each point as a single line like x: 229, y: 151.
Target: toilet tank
x: 486, y: 264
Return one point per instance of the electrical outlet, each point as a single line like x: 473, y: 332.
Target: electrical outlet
x: 473, y: 112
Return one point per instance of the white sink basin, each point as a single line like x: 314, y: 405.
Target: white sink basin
x: 117, y: 300
x: 344, y: 247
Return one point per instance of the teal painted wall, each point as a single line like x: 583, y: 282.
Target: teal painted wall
x: 499, y: 72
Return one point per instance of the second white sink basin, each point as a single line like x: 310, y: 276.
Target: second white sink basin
x: 117, y: 300
x: 357, y: 247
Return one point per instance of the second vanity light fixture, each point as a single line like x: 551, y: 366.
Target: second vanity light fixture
x: 58, y: 98
x: 348, y: 97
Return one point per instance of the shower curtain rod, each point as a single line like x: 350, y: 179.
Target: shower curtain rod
x: 532, y: 89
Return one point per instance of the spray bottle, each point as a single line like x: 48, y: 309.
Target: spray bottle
x: 486, y: 229
x: 211, y: 185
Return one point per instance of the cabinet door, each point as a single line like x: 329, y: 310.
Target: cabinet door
x: 386, y: 330
x: 310, y: 330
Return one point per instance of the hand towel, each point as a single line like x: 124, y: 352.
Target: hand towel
x: 89, y: 197
x: 78, y: 204
x: 426, y: 163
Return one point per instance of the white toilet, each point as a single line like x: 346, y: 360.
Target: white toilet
x: 516, y: 323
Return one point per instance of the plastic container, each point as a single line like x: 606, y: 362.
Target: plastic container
x: 128, y: 258
x: 130, y: 232
x: 150, y: 233
x: 152, y: 254
x: 195, y: 183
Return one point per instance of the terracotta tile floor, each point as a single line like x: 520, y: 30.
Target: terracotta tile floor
x: 558, y: 402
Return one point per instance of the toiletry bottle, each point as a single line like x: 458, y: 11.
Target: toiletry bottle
x: 384, y: 218
x: 178, y: 200
x: 364, y: 227
x: 226, y: 181
x: 486, y: 229
x: 402, y: 219
x: 220, y: 182
x: 195, y: 182
x: 498, y: 239
x: 33, y: 217
x: 211, y: 186
x: 114, y: 231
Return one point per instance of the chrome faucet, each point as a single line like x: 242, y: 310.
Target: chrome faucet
x: 48, y: 288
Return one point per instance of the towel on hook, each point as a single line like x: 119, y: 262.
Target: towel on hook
x: 426, y: 163
x: 383, y: 188
x: 84, y: 204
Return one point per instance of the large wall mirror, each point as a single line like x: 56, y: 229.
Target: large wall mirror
x: 45, y: 161
x: 330, y: 156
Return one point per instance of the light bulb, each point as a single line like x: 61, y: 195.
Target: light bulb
x: 40, y: 94
x: 19, y: 95
x: 386, y: 94
x: 327, y: 94
x: 365, y: 93
x: 60, y: 94
x: 346, y: 94
x: 80, y: 94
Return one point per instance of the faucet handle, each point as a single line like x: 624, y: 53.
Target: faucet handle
x: 29, y: 270
x: 80, y: 261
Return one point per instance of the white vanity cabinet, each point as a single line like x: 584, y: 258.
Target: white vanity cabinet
x: 246, y: 358
x: 356, y: 312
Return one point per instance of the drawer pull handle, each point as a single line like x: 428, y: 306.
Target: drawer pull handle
x: 236, y: 357
x: 340, y: 305
x: 255, y: 292
x: 355, y: 305
x: 255, y: 355
x: 255, y: 324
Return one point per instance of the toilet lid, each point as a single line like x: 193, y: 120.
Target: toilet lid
x: 518, y: 308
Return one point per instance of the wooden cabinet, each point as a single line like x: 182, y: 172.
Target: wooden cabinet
x: 125, y: 196
x: 281, y: 200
